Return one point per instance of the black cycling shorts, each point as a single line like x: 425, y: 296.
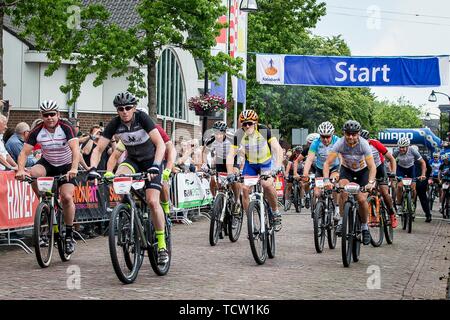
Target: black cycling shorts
x: 319, y: 172
x: 381, y: 176
x: 361, y: 177
x: 142, y: 166
x: 52, y: 171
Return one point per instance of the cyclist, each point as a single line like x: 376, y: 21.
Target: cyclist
x: 444, y: 172
x: 406, y: 155
x: 291, y: 175
x: 257, y: 144
x: 379, y: 152
x: 60, y: 155
x: 167, y: 164
x: 322, y: 147
x: 220, y: 146
x: 145, y: 151
x: 357, y: 166
x: 305, y: 186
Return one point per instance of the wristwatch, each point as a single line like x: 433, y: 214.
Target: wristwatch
x: 371, y: 181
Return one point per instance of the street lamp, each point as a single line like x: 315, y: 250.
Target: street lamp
x: 248, y: 6
x: 443, y: 108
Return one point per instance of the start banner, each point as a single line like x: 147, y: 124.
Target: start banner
x: 18, y: 202
x: 344, y: 71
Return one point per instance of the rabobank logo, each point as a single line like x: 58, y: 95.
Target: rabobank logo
x: 270, y: 69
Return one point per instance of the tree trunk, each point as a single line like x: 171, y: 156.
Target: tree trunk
x: 151, y: 84
x: 2, y: 15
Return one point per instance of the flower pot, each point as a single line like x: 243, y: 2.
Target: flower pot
x: 203, y: 113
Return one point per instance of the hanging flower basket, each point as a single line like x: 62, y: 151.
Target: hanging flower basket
x: 205, y: 105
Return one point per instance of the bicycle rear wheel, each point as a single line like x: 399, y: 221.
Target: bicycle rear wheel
x: 235, y: 225
x: 160, y: 270
x: 43, y: 235
x: 318, y: 223
x: 60, y: 237
x: 215, y: 226
x: 124, y: 245
x: 347, y: 236
x: 375, y: 227
x: 258, y: 239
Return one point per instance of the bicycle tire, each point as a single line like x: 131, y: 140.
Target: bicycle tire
x: 296, y: 193
x: 388, y: 230
x: 120, y: 225
x: 357, y: 236
x: 160, y: 270
x: 404, y: 217
x: 319, y: 231
x: 215, y: 226
x: 377, y: 231
x: 43, y: 218
x: 432, y: 195
x: 347, y: 238
x: 331, y: 226
x: 234, y: 233
x: 259, y: 250
x: 60, y: 238
x: 270, y: 236
x: 409, y: 214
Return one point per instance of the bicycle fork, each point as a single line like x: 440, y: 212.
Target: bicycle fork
x: 262, y: 217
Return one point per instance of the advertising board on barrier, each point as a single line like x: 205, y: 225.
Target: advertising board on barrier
x: 18, y: 201
x: 190, y: 191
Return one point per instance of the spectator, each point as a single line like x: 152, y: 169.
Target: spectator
x: 89, y: 146
x: 6, y: 162
x: 185, y: 161
x: 422, y: 188
x: 15, y: 143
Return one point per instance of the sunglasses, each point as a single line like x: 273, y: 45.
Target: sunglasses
x: 351, y: 133
x: 51, y: 114
x: 247, y: 124
x: 122, y: 109
x: 325, y: 137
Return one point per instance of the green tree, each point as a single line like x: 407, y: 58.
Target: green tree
x: 401, y: 114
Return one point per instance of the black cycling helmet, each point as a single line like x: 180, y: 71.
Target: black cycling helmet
x: 125, y: 99
x: 365, y: 134
x: 220, y: 125
x: 352, y: 126
x: 298, y: 149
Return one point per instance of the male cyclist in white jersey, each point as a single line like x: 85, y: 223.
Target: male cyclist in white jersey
x: 60, y: 155
x: 145, y: 151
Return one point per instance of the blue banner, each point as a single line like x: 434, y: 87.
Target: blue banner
x: 353, y: 71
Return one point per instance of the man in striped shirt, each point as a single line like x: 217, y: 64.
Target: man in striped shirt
x: 60, y: 155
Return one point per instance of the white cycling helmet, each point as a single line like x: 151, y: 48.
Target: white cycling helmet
x: 444, y: 156
x: 436, y: 155
x: 311, y: 137
x: 403, y: 142
x: 326, y: 129
x: 48, y: 105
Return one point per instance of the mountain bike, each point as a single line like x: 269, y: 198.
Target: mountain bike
x: 49, y: 227
x: 131, y: 230
x: 351, y: 225
x: 323, y: 222
x: 222, y: 217
x: 261, y: 233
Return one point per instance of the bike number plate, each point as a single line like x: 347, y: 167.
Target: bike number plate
x: 352, y: 188
x: 319, y: 182
x: 445, y: 186
x: 250, y: 180
x: 222, y: 178
x: 139, y: 184
x: 45, y: 184
x: 407, y: 181
x: 122, y: 185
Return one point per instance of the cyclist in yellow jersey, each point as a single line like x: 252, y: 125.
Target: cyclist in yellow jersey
x: 257, y: 144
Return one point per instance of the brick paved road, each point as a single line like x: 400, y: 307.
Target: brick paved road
x: 416, y: 266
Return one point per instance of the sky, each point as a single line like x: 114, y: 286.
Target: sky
x: 393, y: 28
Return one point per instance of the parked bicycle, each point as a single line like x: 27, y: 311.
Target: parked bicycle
x: 131, y: 230
x: 222, y: 217
x: 49, y: 227
x: 324, y: 224
x: 261, y: 233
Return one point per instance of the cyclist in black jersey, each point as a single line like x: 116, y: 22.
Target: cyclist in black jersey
x: 145, y: 152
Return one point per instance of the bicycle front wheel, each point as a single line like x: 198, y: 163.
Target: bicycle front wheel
x: 60, y: 238
x: 357, y: 236
x: 347, y: 234
x: 257, y: 238
x: 388, y: 230
x: 409, y: 213
x: 43, y: 235
x: 331, y: 226
x: 235, y: 225
x: 124, y: 245
x: 318, y: 222
x: 215, y: 226
x: 375, y: 225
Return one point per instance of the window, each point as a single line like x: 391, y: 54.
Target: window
x: 170, y: 92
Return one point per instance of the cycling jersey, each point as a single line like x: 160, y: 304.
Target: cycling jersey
x: 407, y: 160
x: 257, y: 146
x: 378, y: 151
x: 121, y: 147
x: 54, y: 145
x: 135, y: 137
x: 219, y: 148
x: 445, y: 170
x: 353, y: 157
x: 321, y: 151
x: 435, y: 166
